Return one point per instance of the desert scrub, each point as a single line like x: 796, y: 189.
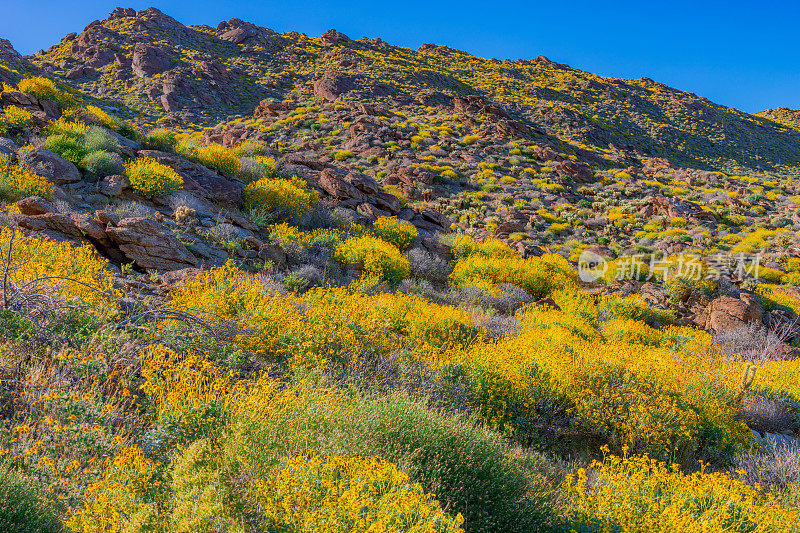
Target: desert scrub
x: 397, y: 232
x: 219, y: 158
x: 52, y: 262
x: 640, y: 494
x: 25, y: 505
x: 151, y: 178
x: 281, y: 197
x: 101, y: 164
x: 18, y: 181
x: 379, y: 259
x: 539, y: 276
x: 17, y: 118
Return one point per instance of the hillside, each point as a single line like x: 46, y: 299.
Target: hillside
x: 256, y: 281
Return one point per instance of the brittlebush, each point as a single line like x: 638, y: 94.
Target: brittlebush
x: 151, y: 178
x: 71, y: 273
x: 380, y: 260
x: 397, y: 232
x: 282, y: 197
x: 639, y: 494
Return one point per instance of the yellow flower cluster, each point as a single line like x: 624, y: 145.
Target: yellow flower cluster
x: 379, y: 259
x: 219, y: 158
x: 17, y: 117
x: 18, y: 181
x: 540, y: 276
x: 314, y: 493
x: 640, y: 494
x: 70, y: 272
x: 279, y: 196
x: 397, y: 232
x: 151, y: 178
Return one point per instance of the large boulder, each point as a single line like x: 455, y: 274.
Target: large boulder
x: 149, y: 60
x: 333, y: 37
x: 150, y: 245
x: 52, y: 166
x: 578, y: 171
x: 332, y: 85
x: 727, y: 313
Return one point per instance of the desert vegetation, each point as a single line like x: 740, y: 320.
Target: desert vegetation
x: 262, y: 302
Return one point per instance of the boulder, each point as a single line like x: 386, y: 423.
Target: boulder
x: 332, y: 85
x: 150, y: 245
x: 727, y: 313
x: 52, y: 166
x: 149, y: 60
x: 114, y: 185
x: 269, y: 108
x: 333, y: 37
x: 580, y: 172
x: 34, y: 205
x: 240, y: 33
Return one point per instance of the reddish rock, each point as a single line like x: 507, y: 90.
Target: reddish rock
x: 149, y: 60
x: 150, y: 244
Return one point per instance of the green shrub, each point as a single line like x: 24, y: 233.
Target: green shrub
x: 397, y: 232
x: 151, y: 178
x: 379, y: 259
x: 468, y: 468
x: 161, y: 139
x: 102, y: 164
x: 67, y: 146
x: 24, y: 508
x: 97, y: 139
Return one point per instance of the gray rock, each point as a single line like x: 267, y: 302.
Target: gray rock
x: 53, y: 166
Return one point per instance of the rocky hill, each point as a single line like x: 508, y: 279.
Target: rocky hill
x: 244, y: 268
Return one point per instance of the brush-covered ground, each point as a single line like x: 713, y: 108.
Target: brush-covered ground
x: 265, y: 282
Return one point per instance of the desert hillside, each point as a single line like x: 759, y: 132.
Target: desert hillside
x: 258, y: 281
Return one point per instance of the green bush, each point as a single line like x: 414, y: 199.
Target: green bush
x: 102, y: 164
x: 23, y: 506
x: 467, y: 467
x: 161, y: 139
x: 67, y: 146
x: 97, y: 139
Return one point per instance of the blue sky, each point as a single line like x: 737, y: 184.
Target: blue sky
x: 741, y: 54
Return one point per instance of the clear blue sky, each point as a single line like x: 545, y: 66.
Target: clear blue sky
x: 744, y: 54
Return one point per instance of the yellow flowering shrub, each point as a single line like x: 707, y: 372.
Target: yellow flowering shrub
x: 219, y: 158
x: 464, y: 245
x: 45, y: 89
x: 118, y: 498
x: 379, y: 259
x: 269, y: 324
x: 540, y: 276
x: 17, y: 117
x: 53, y: 262
x: 185, y: 390
x: 280, y: 196
x: 315, y: 493
x: 151, y: 178
x: 640, y: 494
x: 18, y: 181
x: 397, y: 232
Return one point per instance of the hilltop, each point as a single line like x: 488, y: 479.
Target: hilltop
x: 261, y: 281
